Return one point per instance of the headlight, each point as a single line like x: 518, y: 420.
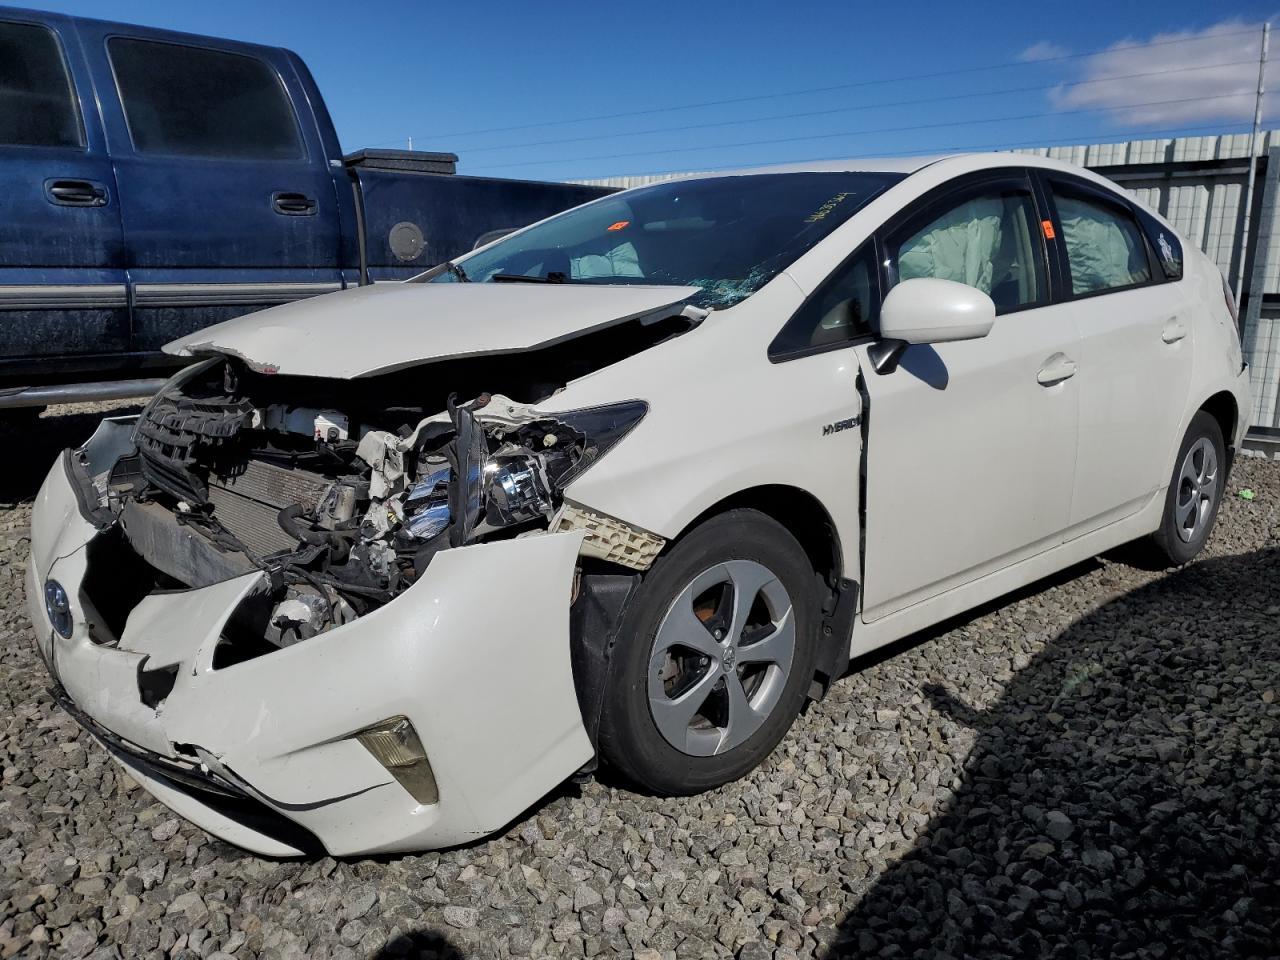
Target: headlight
x: 516, y: 490
x: 58, y: 606
x: 510, y: 476
x: 396, y: 745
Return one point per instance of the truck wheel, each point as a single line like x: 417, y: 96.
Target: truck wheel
x: 1195, y: 492
x: 715, y: 657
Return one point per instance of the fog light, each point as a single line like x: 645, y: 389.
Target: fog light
x: 58, y: 606
x: 395, y: 744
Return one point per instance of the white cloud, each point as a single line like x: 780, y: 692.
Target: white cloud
x: 1213, y: 71
x: 1044, y: 50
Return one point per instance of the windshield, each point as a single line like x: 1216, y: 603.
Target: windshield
x: 728, y: 235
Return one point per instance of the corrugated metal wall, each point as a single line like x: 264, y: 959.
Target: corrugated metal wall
x: 1198, y: 184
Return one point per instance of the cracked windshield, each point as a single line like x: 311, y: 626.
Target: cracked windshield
x: 727, y: 235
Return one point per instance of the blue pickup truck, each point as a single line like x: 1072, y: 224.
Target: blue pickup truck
x: 152, y: 183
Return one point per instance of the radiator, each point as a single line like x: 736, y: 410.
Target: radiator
x: 248, y: 502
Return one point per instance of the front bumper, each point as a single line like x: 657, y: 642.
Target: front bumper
x: 260, y: 753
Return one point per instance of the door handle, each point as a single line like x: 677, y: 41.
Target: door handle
x: 1175, y: 328
x: 75, y: 193
x: 1054, y: 370
x: 293, y: 204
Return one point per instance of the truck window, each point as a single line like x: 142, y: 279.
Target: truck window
x: 197, y: 102
x: 37, y: 101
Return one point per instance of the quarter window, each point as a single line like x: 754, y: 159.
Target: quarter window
x: 1165, y: 243
x: 192, y: 101
x: 37, y: 101
x: 846, y: 305
x: 1104, y: 247
x: 987, y: 241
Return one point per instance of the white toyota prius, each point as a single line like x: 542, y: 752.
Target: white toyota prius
x: 379, y: 570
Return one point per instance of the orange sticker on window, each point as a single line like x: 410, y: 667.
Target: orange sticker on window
x: 1047, y: 227
x: 619, y: 225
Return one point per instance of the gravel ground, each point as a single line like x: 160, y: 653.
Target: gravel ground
x: 1086, y: 769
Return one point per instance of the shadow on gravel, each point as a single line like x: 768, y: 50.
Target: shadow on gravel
x: 419, y: 945
x: 1121, y: 797
x: 37, y: 443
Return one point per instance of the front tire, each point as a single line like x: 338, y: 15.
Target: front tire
x: 1195, y: 492
x: 715, y: 657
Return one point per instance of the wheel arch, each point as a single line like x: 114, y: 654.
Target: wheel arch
x: 1223, y: 408
x: 796, y: 509
x: 809, y: 521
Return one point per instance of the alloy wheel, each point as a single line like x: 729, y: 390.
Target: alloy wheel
x: 1197, y: 488
x: 721, y: 658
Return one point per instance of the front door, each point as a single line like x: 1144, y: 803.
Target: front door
x: 229, y: 204
x: 63, y: 302
x: 971, y: 446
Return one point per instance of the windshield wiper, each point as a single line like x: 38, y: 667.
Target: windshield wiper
x: 457, y: 271
x: 554, y: 276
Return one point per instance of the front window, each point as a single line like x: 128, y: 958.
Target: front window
x: 727, y: 235
x: 988, y: 241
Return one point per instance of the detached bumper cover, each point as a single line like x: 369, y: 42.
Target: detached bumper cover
x: 476, y: 655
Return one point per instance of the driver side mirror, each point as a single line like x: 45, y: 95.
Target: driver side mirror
x: 929, y: 310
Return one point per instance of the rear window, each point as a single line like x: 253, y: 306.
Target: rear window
x: 37, y: 102
x: 196, y: 102
x: 1105, y: 249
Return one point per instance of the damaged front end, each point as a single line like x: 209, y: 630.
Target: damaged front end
x: 268, y: 594
x: 339, y: 495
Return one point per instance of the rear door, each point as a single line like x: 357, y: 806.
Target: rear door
x: 62, y: 281
x: 971, y: 446
x: 1134, y: 369
x: 228, y: 202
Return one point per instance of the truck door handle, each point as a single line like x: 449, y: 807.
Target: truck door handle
x: 1175, y: 328
x: 75, y: 193
x: 293, y: 204
x: 1054, y: 370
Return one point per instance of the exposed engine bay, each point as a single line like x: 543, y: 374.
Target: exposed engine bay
x: 341, y: 496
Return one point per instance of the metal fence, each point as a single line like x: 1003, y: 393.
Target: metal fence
x: 1198, y: 184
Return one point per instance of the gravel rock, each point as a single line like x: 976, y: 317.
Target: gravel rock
x: 464, y: 917
x: 1086, y: 768
x: 1058, y: 825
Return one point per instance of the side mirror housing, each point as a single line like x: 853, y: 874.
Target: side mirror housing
x: 928, y: 310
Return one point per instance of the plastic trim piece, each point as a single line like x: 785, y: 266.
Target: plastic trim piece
x: 199, y: 294
x: 63, y: 296
x: 609, y: 538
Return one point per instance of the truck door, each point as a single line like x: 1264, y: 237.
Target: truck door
x: 228, y: 204
x: 62, y: 281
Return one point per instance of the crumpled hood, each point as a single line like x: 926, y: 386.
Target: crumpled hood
x: 387, y: 326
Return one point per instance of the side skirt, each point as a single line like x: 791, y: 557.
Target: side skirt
x: 870, y: 636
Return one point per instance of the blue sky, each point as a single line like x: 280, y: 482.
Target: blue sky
x: 447, y: 74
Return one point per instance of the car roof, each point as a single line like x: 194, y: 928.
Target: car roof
x: 961, y: 162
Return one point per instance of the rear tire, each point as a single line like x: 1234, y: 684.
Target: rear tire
x: 1195, y: 492
x: 715, y: 657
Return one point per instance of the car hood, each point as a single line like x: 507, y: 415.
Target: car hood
x: 389, y: 326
